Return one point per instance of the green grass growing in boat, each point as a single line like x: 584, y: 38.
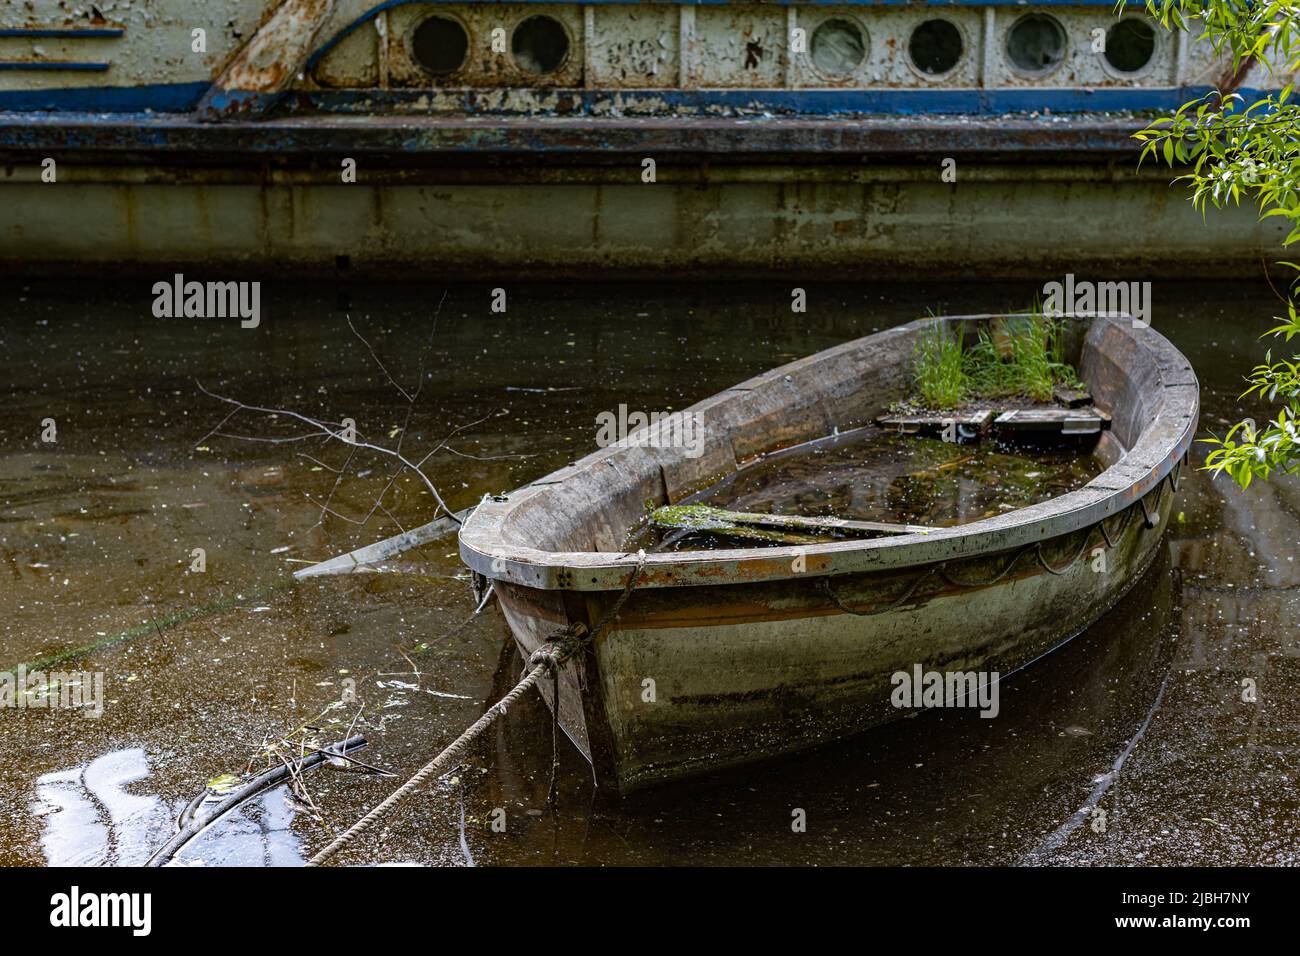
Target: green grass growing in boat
x: 1023, y: 357
x: 939, y: 369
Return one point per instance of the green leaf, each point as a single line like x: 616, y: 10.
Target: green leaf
x: 226, y: 783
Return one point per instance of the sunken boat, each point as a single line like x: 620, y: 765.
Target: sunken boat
x: 754, y: 652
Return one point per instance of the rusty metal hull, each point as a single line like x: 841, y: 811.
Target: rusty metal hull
x: 724, y: 657
x: 213, y: 134
x: 557, y: 198
x: 747, y: 219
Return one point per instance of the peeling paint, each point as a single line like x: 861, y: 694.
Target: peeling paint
x: 155, y: 47
x: 333, y: 53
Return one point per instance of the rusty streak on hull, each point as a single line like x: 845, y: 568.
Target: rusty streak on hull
x: 269, y: 62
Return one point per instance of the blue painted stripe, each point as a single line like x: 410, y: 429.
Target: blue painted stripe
x: 889, y: 102
x: 51, y: 66
x: 160, y: 98
x: 56, y: 33
x: 185, y: 97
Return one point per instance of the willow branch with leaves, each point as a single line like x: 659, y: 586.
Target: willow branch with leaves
x: 1235, y: 149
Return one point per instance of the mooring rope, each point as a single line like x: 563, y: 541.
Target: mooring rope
x: 432, y: 768
x: 548, y: 658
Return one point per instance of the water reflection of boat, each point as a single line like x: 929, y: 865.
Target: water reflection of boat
x: 490, y: 136
x: 756, y: 652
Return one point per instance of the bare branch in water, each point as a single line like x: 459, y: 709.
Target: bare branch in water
x: 410, y: 399
x: 326, y: 431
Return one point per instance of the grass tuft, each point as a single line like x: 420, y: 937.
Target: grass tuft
x: 1024, y: 357
x: 939, y: 370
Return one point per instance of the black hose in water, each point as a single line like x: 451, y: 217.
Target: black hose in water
x: 193, y: 825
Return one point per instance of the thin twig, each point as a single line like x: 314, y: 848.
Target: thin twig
x: 327, y: 430
x: 340, y: 435
x: 383, y: 368
x: 1269, y: 280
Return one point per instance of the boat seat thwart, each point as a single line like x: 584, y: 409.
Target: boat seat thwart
x: 1015, y: 423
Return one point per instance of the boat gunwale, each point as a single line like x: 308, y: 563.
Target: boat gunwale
x: 1162, y: 443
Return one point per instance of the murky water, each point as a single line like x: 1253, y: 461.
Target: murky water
x: 99, y: 531
x: 871, y: 474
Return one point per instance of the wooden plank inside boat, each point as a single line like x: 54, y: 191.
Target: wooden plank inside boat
x: 706, y: 518
x: 1038, y: 422
x: 1049, y: 421
x: 967, y: 424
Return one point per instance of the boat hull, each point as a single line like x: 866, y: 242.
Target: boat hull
x: 314, y: 137
x: 811, y: 214
x: 697, y: 679
x: 720, y: 657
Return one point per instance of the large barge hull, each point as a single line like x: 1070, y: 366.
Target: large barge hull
x: 405, y: 139
x: 553, y: 198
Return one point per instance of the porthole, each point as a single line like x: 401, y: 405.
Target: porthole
x: 1130, y: 44
x: 540, y: 45
x: 439, y: 45
x: 935, y: 47
x: 837, y: 47
x: 1036, y: 43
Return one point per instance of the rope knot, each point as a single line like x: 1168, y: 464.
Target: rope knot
x: 562, y: 645
x: 549, y: 655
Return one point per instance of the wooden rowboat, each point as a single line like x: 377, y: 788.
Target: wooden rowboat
x: 723, y: 657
